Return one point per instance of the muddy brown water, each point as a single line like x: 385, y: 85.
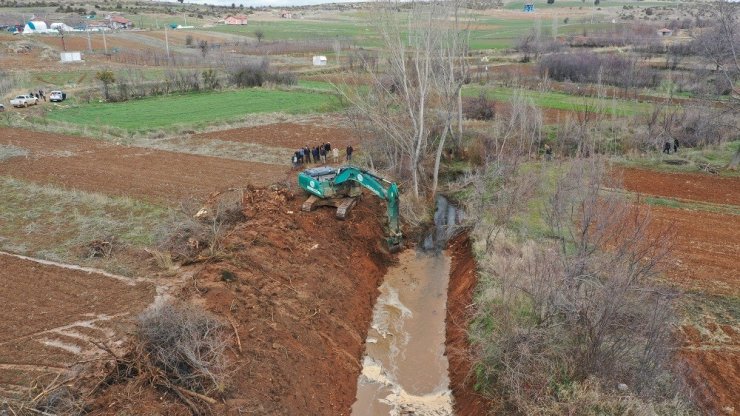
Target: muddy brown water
x: 404, y: 369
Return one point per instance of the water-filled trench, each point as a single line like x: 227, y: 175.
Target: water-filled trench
x: 404, y: 367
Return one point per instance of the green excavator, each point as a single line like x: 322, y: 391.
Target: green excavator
x: 340, y: 188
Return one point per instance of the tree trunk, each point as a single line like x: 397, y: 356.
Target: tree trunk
x: 438, y: 158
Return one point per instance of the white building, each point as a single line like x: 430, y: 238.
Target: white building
x: 319, y: 60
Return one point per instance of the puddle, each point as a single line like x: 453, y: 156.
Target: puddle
x: 405, y: 369
x: 447, y: 218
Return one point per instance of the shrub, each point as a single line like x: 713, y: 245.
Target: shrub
x: 187, y: 344
x: 588, y: 67
x: 256, y: 75
x: 578, y: 310
x: 480, y: 108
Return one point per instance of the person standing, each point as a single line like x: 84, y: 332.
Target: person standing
x: 316, y: 154
x: 675, y: 145
x: 322, y: 153
x: 307, y: 154
x: 667, y: 148
x: 335, y: 154
x: 349, y: 153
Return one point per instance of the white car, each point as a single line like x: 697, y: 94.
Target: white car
x: 24, y: 101
x: 57, y: 96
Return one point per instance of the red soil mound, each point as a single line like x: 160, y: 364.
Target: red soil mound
x: 463, y: 281
x: 301, y: 303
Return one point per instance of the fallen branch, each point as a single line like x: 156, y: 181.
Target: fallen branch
x: 236, y: 334
x: 193, y: 394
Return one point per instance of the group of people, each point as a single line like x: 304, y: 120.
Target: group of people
x: 667, y: 147
x: 39, y: 95
x: 318, y: 154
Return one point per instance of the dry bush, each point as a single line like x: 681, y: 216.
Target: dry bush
x: 180, y: 348
x: 577, y: 307
x: 196, y: 233
x: 186, y: 344
x: 480, y: 108
x: 589, y: 67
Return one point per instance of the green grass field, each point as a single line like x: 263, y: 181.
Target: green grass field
x: 195, y: 109
x: 561, y: 101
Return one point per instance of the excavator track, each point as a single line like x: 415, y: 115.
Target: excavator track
x: 344, y: 207
x: 310, y: 203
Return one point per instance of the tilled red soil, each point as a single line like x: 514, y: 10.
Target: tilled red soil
x: 50, y: 314
x: 691, y: 186
x: 155, y: 175
x: 713, y: 359
x: 301, y: 303
x: 705, y: 249
x: 705, y: 260
x: 287, y: 135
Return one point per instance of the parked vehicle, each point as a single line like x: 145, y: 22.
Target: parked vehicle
x: 24, y: 101
x: 57, y: 96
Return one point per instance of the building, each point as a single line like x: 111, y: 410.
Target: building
x: 319, y: 60
x: 35, y: 27
x: 665, y: 32
x: 238, y: 19
x: 118, y: 22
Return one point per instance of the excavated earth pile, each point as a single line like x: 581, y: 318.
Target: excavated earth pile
x: 298, y: 288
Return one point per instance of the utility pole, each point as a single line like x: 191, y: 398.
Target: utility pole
x: 89, y: 42
x: 167, y: 44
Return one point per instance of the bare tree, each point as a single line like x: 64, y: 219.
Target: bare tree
x: 401, y: 106
x: 259, y: 34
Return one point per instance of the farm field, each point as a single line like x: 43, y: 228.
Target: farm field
x: 153, y: 175
x: 289, y: 136
x: 53, y: 314
x: 194, y: 109
x: 704, y: 263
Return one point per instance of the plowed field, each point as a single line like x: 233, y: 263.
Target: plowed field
x: 45, y: 332
x: 287, y: 135
x: 97, y: 166
x: 690, y: 186
x: 706, y: 262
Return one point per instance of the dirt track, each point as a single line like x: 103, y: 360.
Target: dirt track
x: 97, y: 166
x: 44, y: 332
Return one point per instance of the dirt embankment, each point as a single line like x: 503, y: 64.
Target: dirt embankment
x: 463, y: 281
x: 299, y: 288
